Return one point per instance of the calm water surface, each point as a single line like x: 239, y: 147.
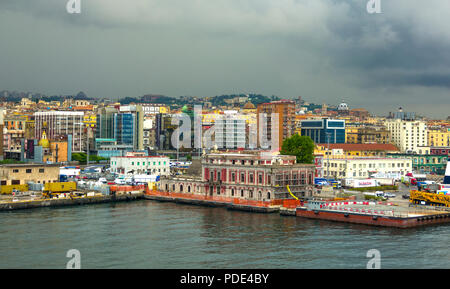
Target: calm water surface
x: 146, y: 234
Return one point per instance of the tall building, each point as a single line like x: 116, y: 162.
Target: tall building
x: 324, y: 130
x: 230, y: 131
x: 62, y: 123
x: 123, y: 124
x: 408, y: 135
x: 281, y: 127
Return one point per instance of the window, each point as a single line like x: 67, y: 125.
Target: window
x: 15, y: 171
x: 41, y: 170
x: 28, y: 171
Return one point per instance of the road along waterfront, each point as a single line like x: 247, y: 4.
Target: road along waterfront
x: 148, y: 234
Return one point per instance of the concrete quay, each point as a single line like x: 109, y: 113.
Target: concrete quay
x: 75, y: 201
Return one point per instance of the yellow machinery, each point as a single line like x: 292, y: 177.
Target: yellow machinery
x: 57, y: 188
x: 9, y: 189
x: 431, y: 199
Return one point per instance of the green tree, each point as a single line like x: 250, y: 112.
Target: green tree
x: 300, y: 146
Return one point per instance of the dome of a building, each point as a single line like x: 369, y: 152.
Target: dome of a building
x: 249, y: 105
x: 44, y: 143
x: 343, y: 106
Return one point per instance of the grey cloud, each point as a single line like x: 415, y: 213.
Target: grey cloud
x: 325, y: 49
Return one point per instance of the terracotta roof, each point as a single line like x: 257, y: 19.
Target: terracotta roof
x: 361, y: 147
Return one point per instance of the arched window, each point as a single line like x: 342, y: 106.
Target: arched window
x: 181, y: 188
x: 268, y: 195
x: 232, y: 192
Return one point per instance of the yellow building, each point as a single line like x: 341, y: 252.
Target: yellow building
x: 356, y: 150
x: 438, y: 138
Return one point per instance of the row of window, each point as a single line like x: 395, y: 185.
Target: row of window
x: 28, y: 171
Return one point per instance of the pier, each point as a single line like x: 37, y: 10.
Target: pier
x: 68, y: 201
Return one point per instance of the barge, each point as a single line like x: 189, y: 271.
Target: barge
x: 371, y: 213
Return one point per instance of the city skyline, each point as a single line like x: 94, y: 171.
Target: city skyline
x: 323, y: 50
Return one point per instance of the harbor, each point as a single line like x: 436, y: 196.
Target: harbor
x: 400, y: 214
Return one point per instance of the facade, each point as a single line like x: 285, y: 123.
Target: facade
x: 230, y: 131
x: 249, y: 176
x: 282, y: 128
x: 408, y: 135
x: 440, y: 151
x: 62, y: 123
x: 439, y: 138
x: 153, y: 165
x: 46, y: 151
x: 356, y: 150
x: 20, y: 174
x: 324, y: 130
x: 1, y: 141
x: 364, y: 167
x: 150, y: 109
x: 368, y: 135
x: 13, y: 132
x: 124, y: 124
x: 426, y: 163
x: 149, y: 134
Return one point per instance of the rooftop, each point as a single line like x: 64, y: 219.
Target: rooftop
x: 361, y: 147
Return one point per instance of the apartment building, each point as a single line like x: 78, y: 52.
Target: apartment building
x: 408, y: 135
x: 278, y: 129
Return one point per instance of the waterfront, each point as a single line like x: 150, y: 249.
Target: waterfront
x: 148, y: 234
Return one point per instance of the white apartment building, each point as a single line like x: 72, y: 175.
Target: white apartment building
x: 153, y: 165
x: 230, y: 130
x: 408, y: 135
x: 364, y: 167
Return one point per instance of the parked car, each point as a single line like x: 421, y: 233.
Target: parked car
x: 390, y: 195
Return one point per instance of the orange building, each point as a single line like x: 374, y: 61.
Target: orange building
x: 284, y: 126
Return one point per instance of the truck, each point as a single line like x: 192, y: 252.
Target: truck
x: 360, y: 183
x: 413, y: 179
x: 321, y: 182
x: 146, y: 178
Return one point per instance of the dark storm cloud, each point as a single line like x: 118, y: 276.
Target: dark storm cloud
x: 324, y: 49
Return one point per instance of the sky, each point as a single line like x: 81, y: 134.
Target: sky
x: 323, y: 50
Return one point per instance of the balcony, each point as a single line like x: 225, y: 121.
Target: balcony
x: 215, y: 182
